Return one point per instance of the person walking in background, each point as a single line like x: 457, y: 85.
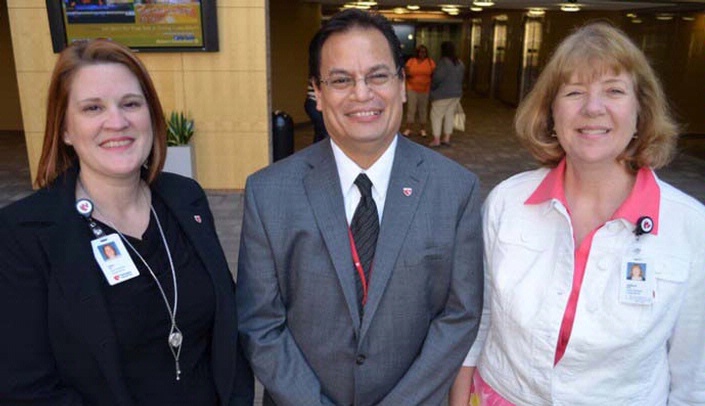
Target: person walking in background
x: 418, y: 71
x: 83, y: 326
x: 562, y: 324
x: 319, y: 127
x: 446, y: 91
x: 360, y: 266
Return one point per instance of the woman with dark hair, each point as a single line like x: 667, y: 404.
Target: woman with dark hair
x: 446, y: 90
x: 155, y: 327
x: 418, y: 70
x: 562, y: 324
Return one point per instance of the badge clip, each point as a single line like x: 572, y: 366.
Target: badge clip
x: 644, y: 226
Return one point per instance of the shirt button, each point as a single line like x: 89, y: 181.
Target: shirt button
x: 603, y: 263
x: 592, y: 306
x: 360, y: 359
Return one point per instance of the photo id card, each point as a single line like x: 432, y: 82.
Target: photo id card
x: 636, y: 283
x: 113, y: 259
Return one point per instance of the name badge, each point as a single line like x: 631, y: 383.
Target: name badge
x: 113, y: 259
x: 636, y: 278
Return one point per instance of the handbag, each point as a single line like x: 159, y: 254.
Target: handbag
x: 459, y: 118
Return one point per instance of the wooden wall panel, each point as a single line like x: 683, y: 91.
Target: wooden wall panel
x: 162, y: 61
x: 34, y: 149
x: 33, y: 88
x: 31, y: 40
x: 228, y: 101
x: 26, y: 3
x: 170, y: 85
x: 241, y: 3
x: 242, y: 41
x: 226, y: 157
x: 225, y: 92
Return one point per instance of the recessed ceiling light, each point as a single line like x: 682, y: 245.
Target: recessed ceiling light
x: 664, y: 17
x: 413, y: 7
x: 536, y: 12
x: 570, y: 7
x: 476, y: 9
x: 483, y: 3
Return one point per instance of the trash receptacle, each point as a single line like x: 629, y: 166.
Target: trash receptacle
x: 282, y: 135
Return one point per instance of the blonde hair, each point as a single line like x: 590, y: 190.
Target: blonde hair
x: 590, y: 51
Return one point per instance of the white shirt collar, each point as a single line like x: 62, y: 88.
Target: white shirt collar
x: 379, y: 174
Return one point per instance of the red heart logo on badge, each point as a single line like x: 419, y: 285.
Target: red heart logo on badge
x: 116, y: 277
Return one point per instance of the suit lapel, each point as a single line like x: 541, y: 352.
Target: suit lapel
x: 73, y: 267
x: 193, y: 214
x: 407, y: 175
x: 322, y: 185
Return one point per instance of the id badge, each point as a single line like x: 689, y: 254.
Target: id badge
x: 636, y: 278
x: 113, y: 259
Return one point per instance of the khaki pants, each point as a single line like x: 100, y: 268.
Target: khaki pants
x: 416, y: 102
x: 442, y: 113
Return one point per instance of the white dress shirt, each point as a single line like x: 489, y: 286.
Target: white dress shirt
x: 379, y: 174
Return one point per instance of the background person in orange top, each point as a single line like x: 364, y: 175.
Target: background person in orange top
x: 418, y: 84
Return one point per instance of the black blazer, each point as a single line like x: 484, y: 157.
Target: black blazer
x: 57, y: 342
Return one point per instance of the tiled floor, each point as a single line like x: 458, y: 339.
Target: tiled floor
x: 14, y: 168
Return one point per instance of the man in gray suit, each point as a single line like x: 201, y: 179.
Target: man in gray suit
x: 321, y: 321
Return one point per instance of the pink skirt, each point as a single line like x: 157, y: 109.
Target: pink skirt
x: 482, y: 394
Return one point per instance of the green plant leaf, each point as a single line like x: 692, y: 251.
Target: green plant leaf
x: 179, y: 128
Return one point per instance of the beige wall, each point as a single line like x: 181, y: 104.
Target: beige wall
x: 225, y: 92
x: 11, y: 117
x: 292, y: 25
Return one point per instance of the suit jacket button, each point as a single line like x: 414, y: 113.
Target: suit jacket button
x: 360, y: 360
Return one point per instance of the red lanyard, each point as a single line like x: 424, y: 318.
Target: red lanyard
x: 358, y: 267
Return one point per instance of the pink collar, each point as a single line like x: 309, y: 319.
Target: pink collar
x: 642, y: 201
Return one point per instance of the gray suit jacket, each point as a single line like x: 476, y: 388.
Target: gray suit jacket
x: 297, y: 304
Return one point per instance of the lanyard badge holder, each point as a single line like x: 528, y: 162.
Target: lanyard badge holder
x: 108, y: 250
x: 117, y: 266
x: 636, y: 277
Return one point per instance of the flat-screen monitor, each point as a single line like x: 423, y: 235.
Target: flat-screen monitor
x: 143, y: 25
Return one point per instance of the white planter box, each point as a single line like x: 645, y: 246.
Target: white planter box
x: 179, y: 160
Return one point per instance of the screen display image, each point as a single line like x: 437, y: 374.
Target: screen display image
x: 139, y: 24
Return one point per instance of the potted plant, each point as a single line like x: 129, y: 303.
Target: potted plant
x: 179, y: 157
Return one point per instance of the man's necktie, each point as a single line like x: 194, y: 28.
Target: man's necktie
x: 365, y: 229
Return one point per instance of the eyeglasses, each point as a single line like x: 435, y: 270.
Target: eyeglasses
x: 375, y: 80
